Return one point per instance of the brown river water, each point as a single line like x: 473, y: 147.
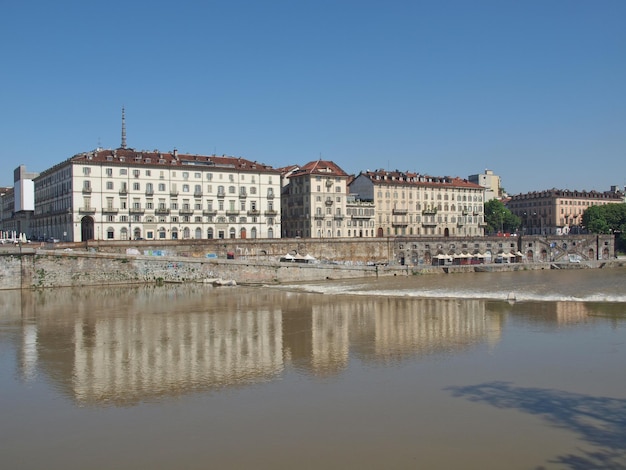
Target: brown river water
x: 521, y: 370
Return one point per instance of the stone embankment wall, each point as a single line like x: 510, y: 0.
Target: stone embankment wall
x: 257, y: 261
x: 391, y: 250
x: 45, y: 269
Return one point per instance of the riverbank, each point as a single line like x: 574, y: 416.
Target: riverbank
x: 31, y: 268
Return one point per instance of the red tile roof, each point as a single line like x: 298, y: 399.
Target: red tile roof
x: 320, y: 167
x: 123, y: 156
x: 416, y: 179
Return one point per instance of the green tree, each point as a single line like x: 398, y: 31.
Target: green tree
x: 606, y: 219
x: 499, y: 218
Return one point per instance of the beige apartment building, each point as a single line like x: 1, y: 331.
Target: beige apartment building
x: 124, y: 194
x: 314, y: 201
x: 490, y: 181
x: 556, y: 211
x: 410, y: 204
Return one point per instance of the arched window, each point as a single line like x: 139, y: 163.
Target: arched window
x: 198, y: 233
x: 124, y: 233
x: 186, y: 233
x: 162, y: 233
x: 174, y: 233
x: 253, y: 232
x: 232, y: 232
x: 209, y: 233
x: 270, y: 232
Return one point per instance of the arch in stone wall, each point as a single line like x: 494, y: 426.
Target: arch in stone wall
x: 86, y: 228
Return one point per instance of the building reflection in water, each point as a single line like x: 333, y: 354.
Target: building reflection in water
x: 125, y: 345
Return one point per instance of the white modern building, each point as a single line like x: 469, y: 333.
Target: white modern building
x: 17, y: 205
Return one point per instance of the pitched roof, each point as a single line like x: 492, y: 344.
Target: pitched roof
x: 320, y: 167
x: 400, y: 178
x: 122, y: 156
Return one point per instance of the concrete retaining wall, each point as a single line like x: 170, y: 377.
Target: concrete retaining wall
x: 256, y: 261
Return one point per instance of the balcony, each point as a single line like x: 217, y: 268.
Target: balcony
x: 254, y: 212
x: 186, y: 211
x: 197, y: 193
x: 161, y: 211
x: 329, y: 202
x: 270, y: 195
x: 429, y: 211
x: 110, y: 210
x: 87, y: 190
x: 123, y: 191
x: 232, y: 212
x: 243, y: 195
x: 221, y: 194
x: 270, y: 213
x: 399, y: 211
x: 338, y: 216
x: 318, y: 216
x: 149, y: 192
x: 136, y: 210
x: 399, y: 223
x: 429, y: 223
x: 210, y: 213
x: 86, y: 210
x: 173, y: 192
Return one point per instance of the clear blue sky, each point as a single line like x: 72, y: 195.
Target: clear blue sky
x: 533, y: 90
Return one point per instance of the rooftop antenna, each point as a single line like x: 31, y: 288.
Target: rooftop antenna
x: 123, y: 128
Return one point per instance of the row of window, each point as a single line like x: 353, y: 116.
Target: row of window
x: 162, y: 233
x: 439, y: 207
x: 244, y: 206
x: 430, y: 218
x: 444, y: 197
x: 173, y: 174
x: 186, y: 188
x: 149, y: 219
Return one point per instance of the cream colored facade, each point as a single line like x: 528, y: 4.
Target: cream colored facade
x: 314, y: 201
x: 409, y: 204
x: 125, y: 194
x: 361, y: 217
x: 489, y: 181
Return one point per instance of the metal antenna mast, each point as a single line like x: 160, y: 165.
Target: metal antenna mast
x: 123, y: 128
